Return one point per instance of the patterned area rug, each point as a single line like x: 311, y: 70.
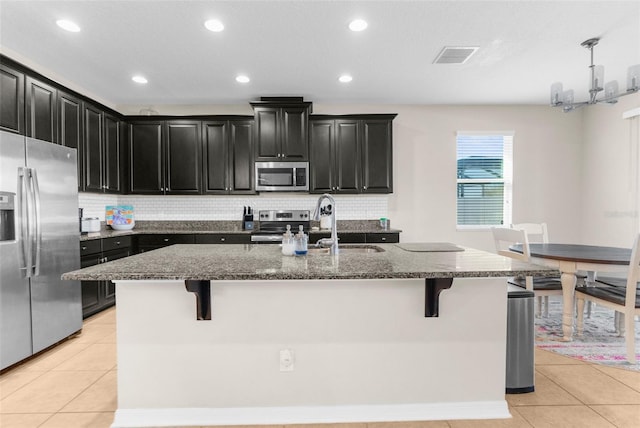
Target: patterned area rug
x: 599, y: 344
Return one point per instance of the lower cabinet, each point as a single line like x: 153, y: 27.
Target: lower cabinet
x: 356, y: 238
x: 99, y: 295
x: 153, y: 242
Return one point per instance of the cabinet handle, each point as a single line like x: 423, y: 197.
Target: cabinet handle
x: 365, y: 187
x: 166, y: 239
x: 84, y: 248
x: 117, y: 242
x: 338, y: 188
x: 383, y: 239
x: 222, y: 239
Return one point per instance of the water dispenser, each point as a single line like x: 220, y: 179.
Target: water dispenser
x: 7, y: 217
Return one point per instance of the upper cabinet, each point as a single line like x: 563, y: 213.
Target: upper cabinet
x: 281, y: 125
x: 70, y: 128
x: 165, y: 157
x: 40, y: 107
x: 228, y: 156
x: 351, y: 154
x: 113, y: 155
x: 93, y: 148
x: 11, y: 100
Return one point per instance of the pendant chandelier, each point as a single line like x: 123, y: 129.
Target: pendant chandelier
x: 564, y: 99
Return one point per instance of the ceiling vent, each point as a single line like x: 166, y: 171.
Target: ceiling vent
x: 455, y: 54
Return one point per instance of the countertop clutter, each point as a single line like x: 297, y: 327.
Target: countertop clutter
x: 225, y: 226
x: 266, y: 262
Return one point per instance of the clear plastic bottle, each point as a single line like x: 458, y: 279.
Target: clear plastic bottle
x: 288, y: 245
x: 301, y: 243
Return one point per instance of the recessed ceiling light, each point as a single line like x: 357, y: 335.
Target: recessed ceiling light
x: 242, y: 79
x: 139, y: 79
x: 358, y: 25
x: 214, y: 25
x: 345, y: 78
x: 68, y: 25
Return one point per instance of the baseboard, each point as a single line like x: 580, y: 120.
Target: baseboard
x: 137, y: 418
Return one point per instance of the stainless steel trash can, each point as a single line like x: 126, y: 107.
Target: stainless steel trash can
x: 520, y: 341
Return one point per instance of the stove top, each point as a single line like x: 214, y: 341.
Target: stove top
x: 273, y: 223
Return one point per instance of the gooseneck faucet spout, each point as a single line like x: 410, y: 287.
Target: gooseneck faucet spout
x: 333, y: 241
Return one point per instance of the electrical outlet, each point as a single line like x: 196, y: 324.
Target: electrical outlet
x: 286, y: 360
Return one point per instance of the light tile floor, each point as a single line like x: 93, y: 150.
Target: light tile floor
x: 74, y: 385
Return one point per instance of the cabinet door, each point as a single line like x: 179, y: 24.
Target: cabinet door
x: 216, y: 157
x: 145, y: 158
x: 347, y: 156
x: 377, y: 158
x: 41, y: 100
x: 183, y: 151
x: 91, y: 290
x: 92, y: 149
x: 70, y: 128
x: 108, y: 292
x: 267, y: 133
x: 321, y: 148
x: 294, y: 136
x: 241, y: 173
x: 11, y: 100
x: 112, y: 155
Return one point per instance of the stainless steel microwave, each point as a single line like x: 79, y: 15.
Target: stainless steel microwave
x: 282, y: 176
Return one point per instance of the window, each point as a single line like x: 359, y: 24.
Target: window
x: 485, y: 170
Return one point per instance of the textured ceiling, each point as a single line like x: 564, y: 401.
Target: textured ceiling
x: 302, y: 47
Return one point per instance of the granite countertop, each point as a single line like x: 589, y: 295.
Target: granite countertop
x: 222, y: 226
x: 266, y: 262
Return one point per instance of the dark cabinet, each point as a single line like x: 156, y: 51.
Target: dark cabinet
x: 93, y: 148
x: 183, y: 165
x: 165, y: 157
x: 102, y: 151
x: 70, y: 128
x: 357, y: 238
x: 377, y: 156
x: 145, y: 158
x: 113, y: 153
x: 228, y: 157
x: 351, y: 154
x: 223, y: 238
x: 11, y: 100
x: 335, y: 156
x: 99, y: 295
x: 152, y: 242
x: 40, y: 108
x: 282, y: 131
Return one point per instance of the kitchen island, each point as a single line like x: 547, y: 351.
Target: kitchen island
x: 239, y: 334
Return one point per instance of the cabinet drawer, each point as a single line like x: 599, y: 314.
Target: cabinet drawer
x: 116, y: 243
x: 390, y: 238
x: 222, y: 238
x: 90, y: 247
x: 164, y: 240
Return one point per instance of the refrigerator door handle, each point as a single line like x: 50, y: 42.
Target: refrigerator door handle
x: 23, y: 218
x: 37, y: 237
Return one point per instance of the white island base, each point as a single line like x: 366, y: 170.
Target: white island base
x: 362, y: 350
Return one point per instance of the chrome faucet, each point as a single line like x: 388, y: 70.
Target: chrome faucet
x: 334, y: 229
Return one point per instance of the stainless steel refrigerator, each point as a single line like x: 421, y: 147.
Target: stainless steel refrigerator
x: 39, y: 240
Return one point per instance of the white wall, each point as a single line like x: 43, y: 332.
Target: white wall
x: 610, y: 179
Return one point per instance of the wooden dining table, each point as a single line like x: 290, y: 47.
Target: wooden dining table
x: 571, y: 258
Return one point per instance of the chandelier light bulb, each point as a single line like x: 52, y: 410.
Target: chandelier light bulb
x: 70, y: 26
x: 358, y: 25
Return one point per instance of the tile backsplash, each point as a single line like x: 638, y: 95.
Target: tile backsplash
x: 348, y: 207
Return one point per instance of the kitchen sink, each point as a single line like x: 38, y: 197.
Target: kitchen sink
x: 347, y: 249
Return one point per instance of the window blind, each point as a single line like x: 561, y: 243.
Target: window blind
x: 484, y: 179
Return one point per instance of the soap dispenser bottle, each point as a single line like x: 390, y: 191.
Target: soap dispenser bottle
x: 301, y: 240
x: 288, y: 246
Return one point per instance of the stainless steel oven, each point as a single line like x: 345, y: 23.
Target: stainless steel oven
x: 282, y: 176
x: 273, y: 223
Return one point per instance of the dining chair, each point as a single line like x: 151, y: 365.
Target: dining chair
x: 538, y: 233
x: 504, y: 238
x: 624, y: 300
